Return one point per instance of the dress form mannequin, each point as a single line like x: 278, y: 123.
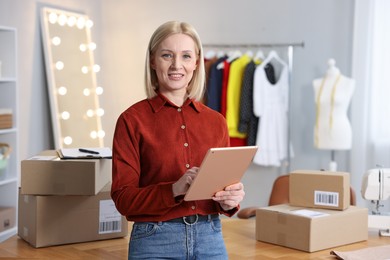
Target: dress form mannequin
x: 333, y: 93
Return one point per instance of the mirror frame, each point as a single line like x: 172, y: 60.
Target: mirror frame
x: 71, y: 79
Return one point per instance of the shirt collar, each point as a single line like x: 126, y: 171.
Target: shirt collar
x: 159, y: 101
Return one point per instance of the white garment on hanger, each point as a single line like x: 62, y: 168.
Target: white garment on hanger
x: 270, y: 103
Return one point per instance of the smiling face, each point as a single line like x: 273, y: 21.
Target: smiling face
x: 174, y: 63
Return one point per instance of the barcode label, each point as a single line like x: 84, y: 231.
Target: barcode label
x: 109, y: 227
x: 110, y: 220
x: 326, y: 198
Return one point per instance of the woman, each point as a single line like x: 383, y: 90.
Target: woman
x: 158, y: 146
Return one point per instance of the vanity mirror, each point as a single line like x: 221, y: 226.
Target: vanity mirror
x: 71, y: 75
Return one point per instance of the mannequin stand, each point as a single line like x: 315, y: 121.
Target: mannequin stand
x: 333, y: 163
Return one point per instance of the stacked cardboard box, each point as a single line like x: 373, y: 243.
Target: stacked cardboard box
x: 320, y: 189
x: 5, y: 118
x: 318, y: 217
x: 47, y: 174
x: 67, y: 201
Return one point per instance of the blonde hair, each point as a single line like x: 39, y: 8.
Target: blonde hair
x: 197, y: 84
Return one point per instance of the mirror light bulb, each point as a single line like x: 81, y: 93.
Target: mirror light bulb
x: 92, y: 46
x: 65, y: 115
x: 101, y: 133
x: 81, y: 23
x: 72, y: 21
x: 90, y: 113
x: 86, y: 92
x: 59, y: 65
x: 100, y: 112
x: 62, y: 90
x: 93, y: 134
x: 56, y: 41
x: 62, y: 19
x: 96, y: 68
x: 99, y: 90
x: 84, y: 69
x: 68, y: 140
x: 53, y: 18
x: 89, y: 23
x: 83, y: 47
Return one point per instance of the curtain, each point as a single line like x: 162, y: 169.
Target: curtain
x: 380, y: 74
x: 380, y: 83
x: 370, y: 109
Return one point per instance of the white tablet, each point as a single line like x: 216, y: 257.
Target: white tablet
x: 221, y: 167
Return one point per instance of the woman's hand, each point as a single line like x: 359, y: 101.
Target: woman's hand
x: 181, y: 186
x: 231, y: 196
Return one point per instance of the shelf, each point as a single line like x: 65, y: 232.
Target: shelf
x: 4, y: 79
x: 9, y: 100
x: 8, y: 233
x: 8, y: 180
x: 8, y: 131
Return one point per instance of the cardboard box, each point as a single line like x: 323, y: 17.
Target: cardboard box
x: 56, y: 220
x: 46, y: 174
x: 7, y: 218
x: 320, y: 189
x: 309, y: 229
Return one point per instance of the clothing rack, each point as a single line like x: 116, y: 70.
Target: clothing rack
x: 290, y: 52
x: 254, y: 45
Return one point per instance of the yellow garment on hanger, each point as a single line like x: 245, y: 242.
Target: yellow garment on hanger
x: 236, y: 74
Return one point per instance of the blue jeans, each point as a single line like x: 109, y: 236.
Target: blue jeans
x: 167, y: 240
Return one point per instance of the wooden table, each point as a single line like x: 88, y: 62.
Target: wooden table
x: 242, y: 244
x: 239, y: 237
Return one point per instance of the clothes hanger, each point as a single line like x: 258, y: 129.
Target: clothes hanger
x: 249, y: 53
x: 210, y: 54
x: 236, y: 54
x: 232, y: 56
x: 220, y: 54
x: 273, y: 55
x: 221, y: 65
x: 259, y: 55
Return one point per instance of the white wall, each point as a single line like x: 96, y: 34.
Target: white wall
x: 123, y: 27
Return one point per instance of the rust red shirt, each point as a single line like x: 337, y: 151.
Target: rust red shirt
x: 155, y: 142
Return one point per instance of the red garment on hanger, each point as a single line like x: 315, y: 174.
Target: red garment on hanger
x: 225, y: 80
x: 236, y: 141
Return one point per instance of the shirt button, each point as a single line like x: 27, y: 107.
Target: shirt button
x: 187, y: 166
x: 179, y: 109
x: 186, y: 144
x: 183, y: 126
x: 193, y: 207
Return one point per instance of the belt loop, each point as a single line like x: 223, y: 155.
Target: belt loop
x: 209, y: 218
